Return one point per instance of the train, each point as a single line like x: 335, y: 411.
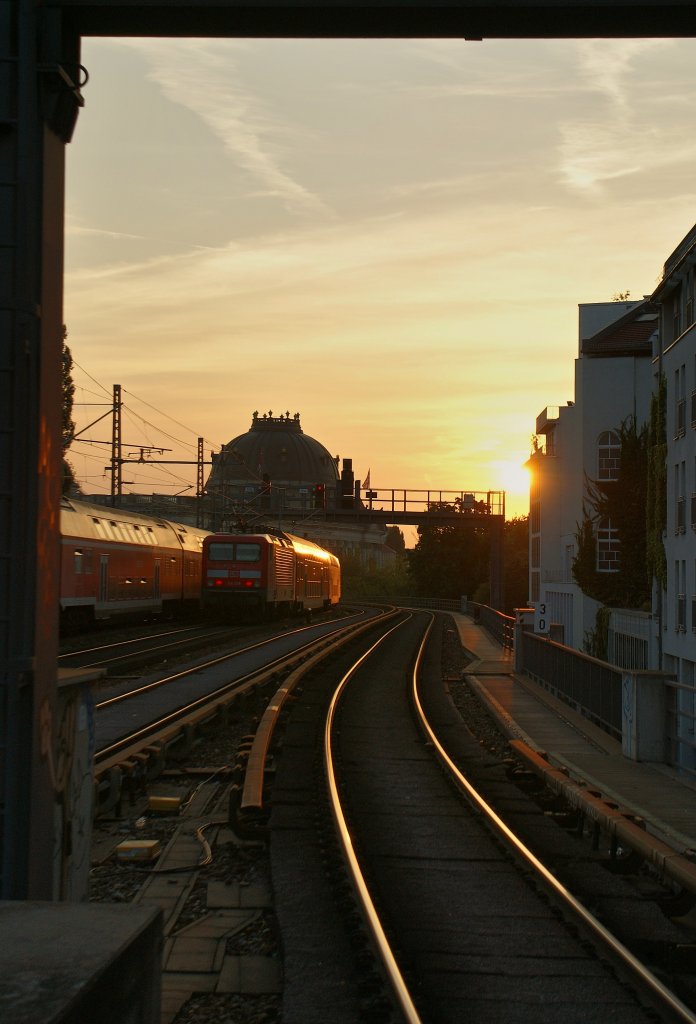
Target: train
x: 117, y: 564
x: 266, y: 574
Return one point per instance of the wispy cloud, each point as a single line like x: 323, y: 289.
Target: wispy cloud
x: 199, y: 75
x: 82, y: 231
x: 608, y: 65
x: 617, y: 141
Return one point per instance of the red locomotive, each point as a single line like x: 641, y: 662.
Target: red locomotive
x: 116, y: 563
x: 267, y: 573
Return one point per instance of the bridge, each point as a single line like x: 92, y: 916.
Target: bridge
x: 380, y: 506
x: 418, y: 508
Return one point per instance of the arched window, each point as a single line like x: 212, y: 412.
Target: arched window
x: 608, y: 455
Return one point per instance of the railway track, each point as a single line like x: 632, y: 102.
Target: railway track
x: 136, y: 722
x: 447, y: 923
x: 119, y: 655
x: 468, y: 923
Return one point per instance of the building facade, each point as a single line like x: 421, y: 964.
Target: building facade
x: 579, y: 442
x: 675, y: 604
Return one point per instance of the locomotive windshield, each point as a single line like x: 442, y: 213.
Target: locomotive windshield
x: 220, y: 551
x: 248, y: 552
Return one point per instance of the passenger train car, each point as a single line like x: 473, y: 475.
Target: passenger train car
x: 116, y: 563
x: 267, y: 573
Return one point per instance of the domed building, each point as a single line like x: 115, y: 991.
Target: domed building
x: 274, y: 467
x: 276, y: 475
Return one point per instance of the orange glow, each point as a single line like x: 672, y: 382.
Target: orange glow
x: 512, y: 477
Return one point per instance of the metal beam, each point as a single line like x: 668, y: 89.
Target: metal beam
x: 463, y: 19
x: 369, y: 517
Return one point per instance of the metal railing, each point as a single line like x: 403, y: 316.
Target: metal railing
x: 417, y: 501
x: 500, y: 626
x: 590, y: 686
x: 436, y: 604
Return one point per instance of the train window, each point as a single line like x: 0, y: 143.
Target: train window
x: 78, y: 562
x: 219, y: 552
x: 248, y: 552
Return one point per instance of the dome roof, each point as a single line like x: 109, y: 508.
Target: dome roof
x: 274, y: 448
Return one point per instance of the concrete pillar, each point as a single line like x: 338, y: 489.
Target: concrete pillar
x: 644, y: 715
x: 524, y: 620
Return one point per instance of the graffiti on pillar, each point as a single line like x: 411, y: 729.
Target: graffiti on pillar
x: 69, y: 755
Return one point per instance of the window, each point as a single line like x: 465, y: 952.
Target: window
x: 608, y: 455
x: 676, y: 314
x: 248, y: 552
x: 535, y: 517
x: 680, y: 610
x: 679, y: 401
x: 607, y: 547
x: 219, y: 552
x: 689, y: 305
x: 680, y: 497
x: 536, y: 555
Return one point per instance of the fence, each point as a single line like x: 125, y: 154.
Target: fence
x: 436, y: 604
x: 588, y: 685
x: 594, y: 688
x: 500, y: 626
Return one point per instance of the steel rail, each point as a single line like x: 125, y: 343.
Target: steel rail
x: 254, y: 776
x: 142, y: 652
x: 168, y: 725
x: 384, y: 950
x: 192, y: 670
x: 126, y: 643
x: 658, y: 993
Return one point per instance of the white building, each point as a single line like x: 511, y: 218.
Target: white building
x: 577, y: 441
x: 676, y: 358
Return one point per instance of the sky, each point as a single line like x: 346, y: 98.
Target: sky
x: 390, y: 237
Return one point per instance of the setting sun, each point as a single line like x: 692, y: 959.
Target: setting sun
x: 512, y: 477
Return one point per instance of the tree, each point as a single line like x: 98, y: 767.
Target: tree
x: 369, y: 582
x: 516, y: 563
x: 395, y: 539
x: 452, y: 560
x: 69, y: 482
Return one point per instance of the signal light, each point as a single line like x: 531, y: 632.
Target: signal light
x: 320, y: 495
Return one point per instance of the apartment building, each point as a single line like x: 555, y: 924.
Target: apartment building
x: 580, y: 441
x: 675, y: 359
